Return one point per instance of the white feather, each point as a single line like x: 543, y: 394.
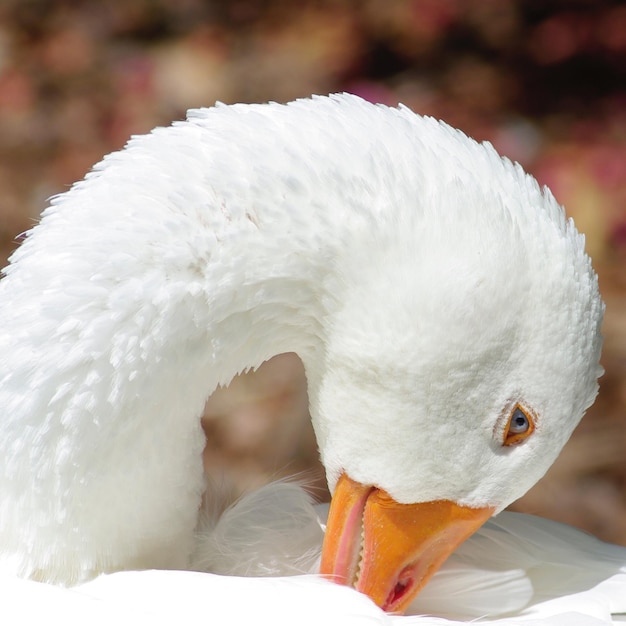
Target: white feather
x: 518, y: 565
x: 516, y: 570
x: 427, y: 284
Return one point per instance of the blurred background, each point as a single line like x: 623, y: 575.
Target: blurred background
x: 544, y: 81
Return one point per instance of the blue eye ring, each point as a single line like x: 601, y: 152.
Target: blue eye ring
x: 519, y: 426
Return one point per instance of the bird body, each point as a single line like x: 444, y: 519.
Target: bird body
x: 515, y: 566
x: 516, y: 570
x: 443, y: 307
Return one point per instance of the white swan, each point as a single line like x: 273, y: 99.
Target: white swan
x: 445, y: 311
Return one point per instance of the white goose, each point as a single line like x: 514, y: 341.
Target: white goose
x: 445, y: 311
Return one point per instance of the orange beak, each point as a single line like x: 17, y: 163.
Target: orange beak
x: 388, y: 550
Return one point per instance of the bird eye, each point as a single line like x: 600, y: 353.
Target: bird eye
x: 519, y: 426
x: 519, y: 422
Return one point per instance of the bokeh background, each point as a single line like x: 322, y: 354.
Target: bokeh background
x: 543, y: 80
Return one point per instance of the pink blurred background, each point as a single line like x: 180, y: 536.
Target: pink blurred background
x: 544, y: 81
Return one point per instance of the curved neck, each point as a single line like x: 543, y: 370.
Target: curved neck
x: 197, y: 252
x: 116, y: 338
x: 278, y: 306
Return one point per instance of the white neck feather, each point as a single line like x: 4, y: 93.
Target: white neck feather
x: 144, y: 288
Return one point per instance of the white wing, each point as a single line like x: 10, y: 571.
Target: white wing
x: 532, y: 567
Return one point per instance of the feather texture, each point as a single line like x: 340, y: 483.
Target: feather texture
x: 428, y: 285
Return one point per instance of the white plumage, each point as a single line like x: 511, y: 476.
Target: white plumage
x: 515, y: 564
x: 432, y: 290
x: 517, y: 570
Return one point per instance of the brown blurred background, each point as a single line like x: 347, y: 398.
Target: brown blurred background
x: 545, y: 81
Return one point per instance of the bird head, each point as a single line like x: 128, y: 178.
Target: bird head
x: 458, y: 362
